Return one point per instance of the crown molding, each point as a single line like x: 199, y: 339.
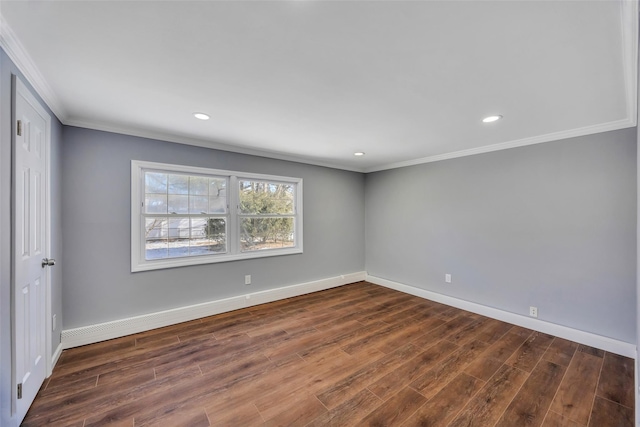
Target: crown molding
x: 16, y: 51
x: 18, y: 54
x: 186, y: 140
x: 629, y: 11
x: 629, y: 17
x: 198, y: 142
x: 571, y: 133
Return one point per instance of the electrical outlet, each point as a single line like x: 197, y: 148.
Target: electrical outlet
x: 53, y: 322
x: 447, y: 278
x: 533, y: 311
x: 247, y: 279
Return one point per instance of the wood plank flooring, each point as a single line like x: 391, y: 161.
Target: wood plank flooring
x: 357, y: 355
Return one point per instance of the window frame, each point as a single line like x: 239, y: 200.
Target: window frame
x: 234, y: 251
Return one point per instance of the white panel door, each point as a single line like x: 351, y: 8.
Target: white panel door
x: 30, y: 246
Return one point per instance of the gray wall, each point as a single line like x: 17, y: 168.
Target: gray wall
x: 550, y: 225
x: 98, y: 283
x: 7, y: 68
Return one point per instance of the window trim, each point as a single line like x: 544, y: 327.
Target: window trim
x: 234, y: 252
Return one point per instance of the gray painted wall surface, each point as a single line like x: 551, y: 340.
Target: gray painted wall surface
x: 98, y: 283
x: 550, y: 225
x: 7, y: 68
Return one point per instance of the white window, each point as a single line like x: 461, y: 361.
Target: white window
x: 183, y: 215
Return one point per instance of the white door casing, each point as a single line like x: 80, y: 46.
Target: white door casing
x: 30, y: 245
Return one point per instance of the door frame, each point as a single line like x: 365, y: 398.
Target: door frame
x: 19, y: 88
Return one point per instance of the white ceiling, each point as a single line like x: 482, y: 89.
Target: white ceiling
x: 315, y: 81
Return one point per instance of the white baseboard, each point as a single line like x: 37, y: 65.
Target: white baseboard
x: 122, y: 327
x: 608, y: 344
x: 56, y: 357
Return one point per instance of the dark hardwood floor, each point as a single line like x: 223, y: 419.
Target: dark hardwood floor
x: 355, y: 355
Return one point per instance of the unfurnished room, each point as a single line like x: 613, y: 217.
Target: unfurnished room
x: 319, y: 213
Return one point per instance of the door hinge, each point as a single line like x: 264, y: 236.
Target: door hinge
x: 20, y: 391
x: 19, y: 128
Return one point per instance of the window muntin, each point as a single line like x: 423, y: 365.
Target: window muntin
x: 184, y: 215
x: 177, y: 214
x: 176, y: 193
x: 183, y: 236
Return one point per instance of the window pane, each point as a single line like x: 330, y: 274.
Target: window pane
x: 217, y: 195
x: 266, y: 233
x: 178, y: 184
x: 198, y: 204
x: 178, y: 228
x: 198, y: 185
x: 155, y: 182
x: 155, y: 189
x: 178, y: 204
x: 208, y: 236
x: 261, y: 197
x: 156, y: 242
x: 155, y: 203
x: 217, y: 205
x: 178, y: 237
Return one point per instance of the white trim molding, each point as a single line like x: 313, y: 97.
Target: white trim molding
x: 12, y: 46
x: 118, y: 328
x: 203, y: 143
x: 628, y: 15
x: 587, y: 338
x: 55, y: 358
x: 122, y: 327
x: 555, y: 136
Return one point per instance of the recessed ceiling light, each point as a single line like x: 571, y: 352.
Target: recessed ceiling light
x: 359, y: 153
x: 491, y: 119
x: 201, y: 116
